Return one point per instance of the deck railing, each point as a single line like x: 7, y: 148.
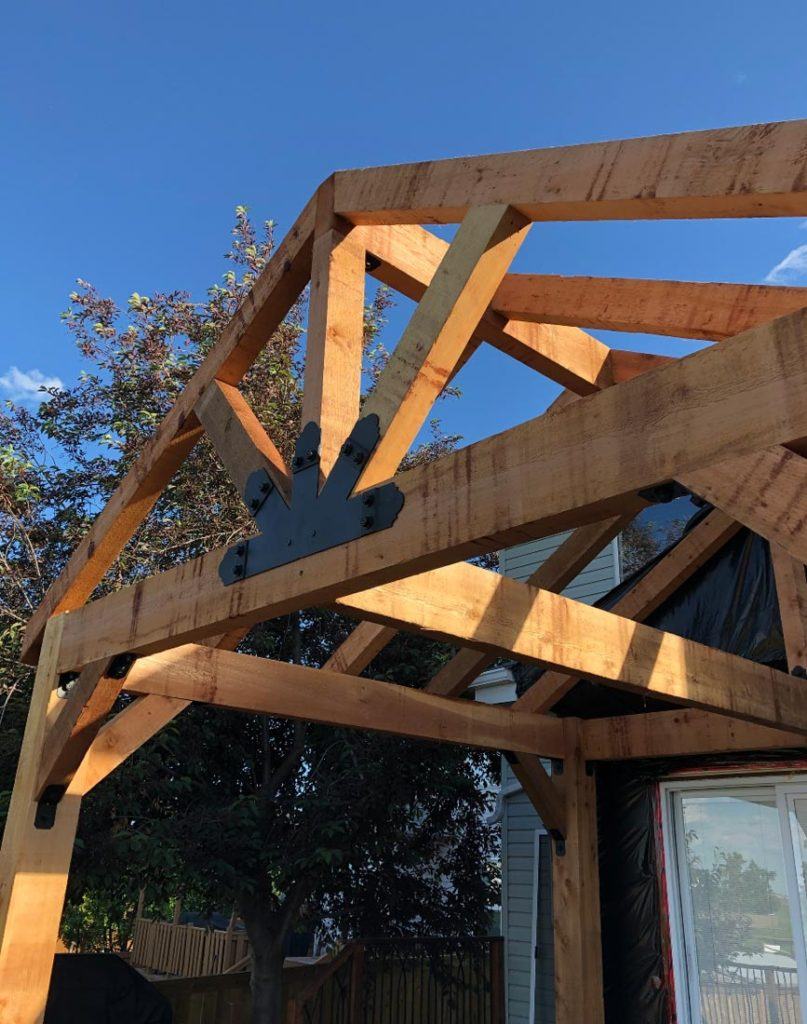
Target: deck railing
x: 740, y: 994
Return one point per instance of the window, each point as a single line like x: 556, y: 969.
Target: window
x: 736, y: 852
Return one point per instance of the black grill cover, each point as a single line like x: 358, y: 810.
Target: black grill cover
x: 100, y: 988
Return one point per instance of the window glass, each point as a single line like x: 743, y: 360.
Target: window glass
x: 743, y: 967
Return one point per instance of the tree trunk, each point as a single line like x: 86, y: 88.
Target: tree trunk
x: 266, y: 935
x: 267, y: 986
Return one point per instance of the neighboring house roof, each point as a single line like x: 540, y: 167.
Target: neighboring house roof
x: 729, y: 603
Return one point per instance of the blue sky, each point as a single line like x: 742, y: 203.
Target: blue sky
x: 130, y: 131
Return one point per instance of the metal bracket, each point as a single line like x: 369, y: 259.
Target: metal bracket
x: 559, y: 840
x: 45, y: 816
x: 317, y: 519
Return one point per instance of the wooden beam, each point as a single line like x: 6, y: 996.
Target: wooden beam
x: 752, y: 171
x: 503, y: 490
x: 691, y: 552
x: 258, y: 316
x: 764, y: 490
x: 34, y: 862
x: 409, y: 256
x: 143, y: 718
x: 576, y: 893
x: 361, y: 646
x: 246, y: 683
x: 73, y: 723
x: 682, y: 732
x: 680, y: 309
x: 121, y: 736
x: 239, y: 438
x: 555, y: 574
x: 791, y: 589
x: 438, y: 332
x: 480, y: 608
x: 333, y: 351
x: 541, y: 791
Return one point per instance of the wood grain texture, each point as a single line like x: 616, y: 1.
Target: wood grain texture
x: 572, y: 467
x: 239, y: 438
x: 555, y: 574
x: 241, y: 682
x: 576, y: 893
x: 791, y: 590
x: 680, y: 309
x: 437, y: 334
x: 483, y: 609
x: 751, y: 171
x: 335, y: 339
x: 681, y: 732
x: 410, y: 256
x: 691, y: 552
x: 33, y: 863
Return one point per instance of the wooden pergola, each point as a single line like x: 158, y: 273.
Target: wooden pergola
x: 344, y: 528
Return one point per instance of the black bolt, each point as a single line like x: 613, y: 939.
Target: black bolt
x: 238, y: 570
x: 799, y: 671
x: 367, y: 522
x: 313, y: 533
x: 347, y: 448
x: 368, y: 499
x: 266, y: 487
x: 311, y: 454
x: 241, y: 549
x: 288, y: 543
x: 358, y: 458
x: 298, y: 460
x: 255, y: 504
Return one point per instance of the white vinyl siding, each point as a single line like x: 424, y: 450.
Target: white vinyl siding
x: 520, y: 824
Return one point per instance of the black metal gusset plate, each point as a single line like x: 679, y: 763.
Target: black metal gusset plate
x: 317, y: 519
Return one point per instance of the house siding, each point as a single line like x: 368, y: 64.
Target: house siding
x: 526, y: 874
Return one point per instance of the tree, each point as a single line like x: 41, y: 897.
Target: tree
x: 298, y: 825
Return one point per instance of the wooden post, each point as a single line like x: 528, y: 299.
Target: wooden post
x: 357, y: 984
x: 34, y: 862
x: 576, y: 894
x: 497, y: 1010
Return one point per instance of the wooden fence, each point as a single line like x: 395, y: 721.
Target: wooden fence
x: 186, y: 950
x: 386, y: 981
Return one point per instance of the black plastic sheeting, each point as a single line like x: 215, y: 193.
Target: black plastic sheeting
x: 99, y: 988
x: 729, y: 603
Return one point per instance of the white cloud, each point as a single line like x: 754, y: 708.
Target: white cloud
x: 24, y: 386
x: 792, y: 269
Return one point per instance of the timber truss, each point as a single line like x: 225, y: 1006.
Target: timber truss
x: 727, y: 423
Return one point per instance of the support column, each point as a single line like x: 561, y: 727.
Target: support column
x: 34, y: 862
x: 576, y: 893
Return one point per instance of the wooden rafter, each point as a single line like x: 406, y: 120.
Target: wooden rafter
x: 556, y: 573
x: 679, y: 309
x: 518, y: 484
x: 753, y: 171
x: 239, y: 681
x: 691, y: 552
x: 438, y: 333
x: 480, y: 608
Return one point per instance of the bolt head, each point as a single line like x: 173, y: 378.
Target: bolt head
x: 358, y: 458
x: 298, y: 461
x: 255, y: 504
x: 368, y: 499
x: 311, y: 455
x: 347, y: 448
x: 238, y: 569
x: 367, y: 522
x: 241, y: 550
x: 266, y: 487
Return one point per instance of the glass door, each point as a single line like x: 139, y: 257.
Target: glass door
x: 739, y: 944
